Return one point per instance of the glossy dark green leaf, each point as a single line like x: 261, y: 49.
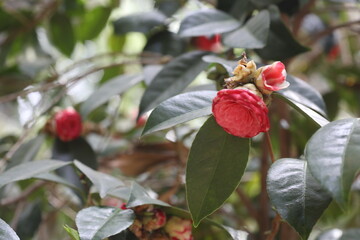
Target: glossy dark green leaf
x: 6, y: 232
x: 29, y: 220
x: 179, y: 109
x: 305, y: 111
x: 143, y: 22
x: 93, y: 22
x: 216, y: 163
x: 56, y: 179
x: 139, y: 196
x: 150, y: 72
x: 333, y: 155
x: 297, y: 196
x: 83, y: 152
x: 28, y: 170
x: 165, y: 43
x: 27, y: 151
x: 168, y: 7
x: 304, y: 93
x: 62, y: 33
x: 280, y: 44
x: 227, y: 64
x: 102, y: 181
x: 252, y: 35
x: 172, y: 79
x: 106, y: 91
x: 95, y: 223
x: 207, y: 22
x: 72, y: 232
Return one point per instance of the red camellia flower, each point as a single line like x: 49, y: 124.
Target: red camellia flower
x: 272, y: 78
x: 205, y: 43
x: 179, y: 229
x: 68, y: 124
x: 241, y: 112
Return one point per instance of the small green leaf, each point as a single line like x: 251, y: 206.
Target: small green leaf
x: 252, y: 35
x: 6, y: 232
x: 93, y: 22
x: 95, y: 223
x: 207, y: 22
x: 72, y: 232
x: 333, y: 156
x: 139, y: 196
x: 179, y: 109
x: 172, y: 79
x: 27, y: 151
x: 296, y: 194
x: 62, y: 33
x: 106, y: 91
x: 305, y: 111
x: 28, y: 170
x: 216, y: 163
x: 280, y: 43
x: 304, y: 93
x: 104, y: 183
x: 139, y: 22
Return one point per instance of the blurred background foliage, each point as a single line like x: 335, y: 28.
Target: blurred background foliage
x: 99, y: 55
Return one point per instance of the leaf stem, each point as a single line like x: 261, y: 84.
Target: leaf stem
x: 274, y: 227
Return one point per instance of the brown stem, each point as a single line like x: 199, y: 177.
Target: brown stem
x: 269, y: 145
x: 27, y: 192
x: 274, y: 227
x: 263, y: 216
x: 246, y: 201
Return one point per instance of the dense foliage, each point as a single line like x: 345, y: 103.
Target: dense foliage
x: 180, y: 119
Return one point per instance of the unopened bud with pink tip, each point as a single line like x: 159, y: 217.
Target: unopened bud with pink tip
x: 179, y: 229
x: 68, y: 125
x: 271, y: 78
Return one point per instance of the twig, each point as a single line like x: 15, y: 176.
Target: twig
x: 48, y: 9
x: 28, y: 191
x: 246, y: 201
x: 269, y: 144
x: 330, y: 30
x: 274, y: 227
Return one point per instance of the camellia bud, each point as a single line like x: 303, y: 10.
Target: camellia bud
x: 243, y: 73
x: 271, y: 78
x: 68, y: 124
x: 155, y: 221
x: 179, y: 229
x: 205, y: 43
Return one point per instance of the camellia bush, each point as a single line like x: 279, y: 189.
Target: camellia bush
x: 180, y: 120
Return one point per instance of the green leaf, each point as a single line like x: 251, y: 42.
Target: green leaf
x: 227, y: 64
x: 27, y: 151
x: 305, y: 111
x: 104, y: 183
x: 81, y: 150
x: 216, y: 163
x: 139, y: 22
x: 304, y: 93
x: 139, y: 196
x: 95, y: 223
x: 165, y: 43
x: 106, y: 91
x: 280, y: 43
x: 28, y: 170
x: 207, y: 22
x: 72, y: 232
x: 333, y: 155
x: 93, y: 22
x: 56, y: 179
x: 296, y: 194
x: 179, y: 109
x: 6, y: 232
x: 252, y: 35
x: 172, y: 79
x: 62, y: 33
